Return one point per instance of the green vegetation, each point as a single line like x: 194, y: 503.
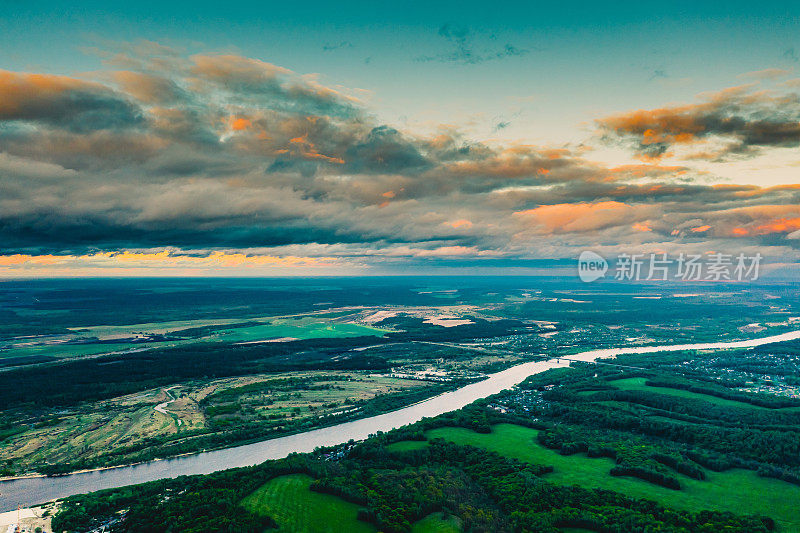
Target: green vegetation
x: 437, y: 523
x: 226, y: 386
x: 644, y: 384
x: 406, y: 445
x: 701, y: 441
x: 290, y: 502
x: 731, y: 491
x: 302, y: 328
x: 399, y: 489
x: 296, y: 509
x: 204, y: 415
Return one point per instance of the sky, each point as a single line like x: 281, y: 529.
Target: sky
x: 260, y: 138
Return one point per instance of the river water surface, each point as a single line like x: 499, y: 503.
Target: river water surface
x: 34, y: 490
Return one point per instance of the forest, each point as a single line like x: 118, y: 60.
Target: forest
x: 486, y: 491
x: 639, y: 420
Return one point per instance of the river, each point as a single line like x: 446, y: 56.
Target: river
x: 34, y: 490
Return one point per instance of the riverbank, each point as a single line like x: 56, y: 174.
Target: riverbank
x: 34, y: 490
x: 29, y: 518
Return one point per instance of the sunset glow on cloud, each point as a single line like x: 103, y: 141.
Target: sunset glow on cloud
x: 183, y: 157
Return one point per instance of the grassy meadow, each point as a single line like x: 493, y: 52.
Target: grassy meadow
x: 296, y: 509
x: 731, y: 490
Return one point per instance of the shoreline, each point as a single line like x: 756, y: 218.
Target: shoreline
x: 36, y: 475
x: 35, y: 490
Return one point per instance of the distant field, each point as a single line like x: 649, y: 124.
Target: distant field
x: 299, y: 329
x: 95, y: 340
x: 296, y: 509
x: 639, y: 384
x: 732, y: 490
x: 71, y: 350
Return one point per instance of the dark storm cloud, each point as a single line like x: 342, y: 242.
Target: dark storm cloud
x: 51, y: 233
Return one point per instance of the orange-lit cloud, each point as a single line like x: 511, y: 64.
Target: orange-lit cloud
x: 581, y: 217
x: 161, y: 261
x: 447, y: 251
x: 20, y: 91
x: 226, y: 152
x: 240, y: 123
x: 309, y: 151
x: 758, y: 220
x: 738, y: 120
x: 462, y: 223
x: 147, y: 88
x: 514, y: 162
x: 781, y: 225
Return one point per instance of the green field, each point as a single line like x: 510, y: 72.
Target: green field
x: 86, y: 341
x: 436, y: 523
x: 639, y: 384
x: 305, y: 328
x: 732, y: 490
x: 296, y: 509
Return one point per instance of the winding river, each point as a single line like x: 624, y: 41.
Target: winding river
x: 34, y: 490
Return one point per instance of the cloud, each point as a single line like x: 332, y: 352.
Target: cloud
x: 583, y: 217
x: 759, y: 220
x: 384, y: 149
x: 733, y: 122
x: 170, y: 159
x: 767, y: 74
x: 329, y: 47
x: 63, y: 102
x: 164, y: 262
x: 147, y: 88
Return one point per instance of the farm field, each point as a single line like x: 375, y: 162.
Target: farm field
x: 297, y: 328
x: 96, y: 340
x: 190, y: 411
x: 296, y: 509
